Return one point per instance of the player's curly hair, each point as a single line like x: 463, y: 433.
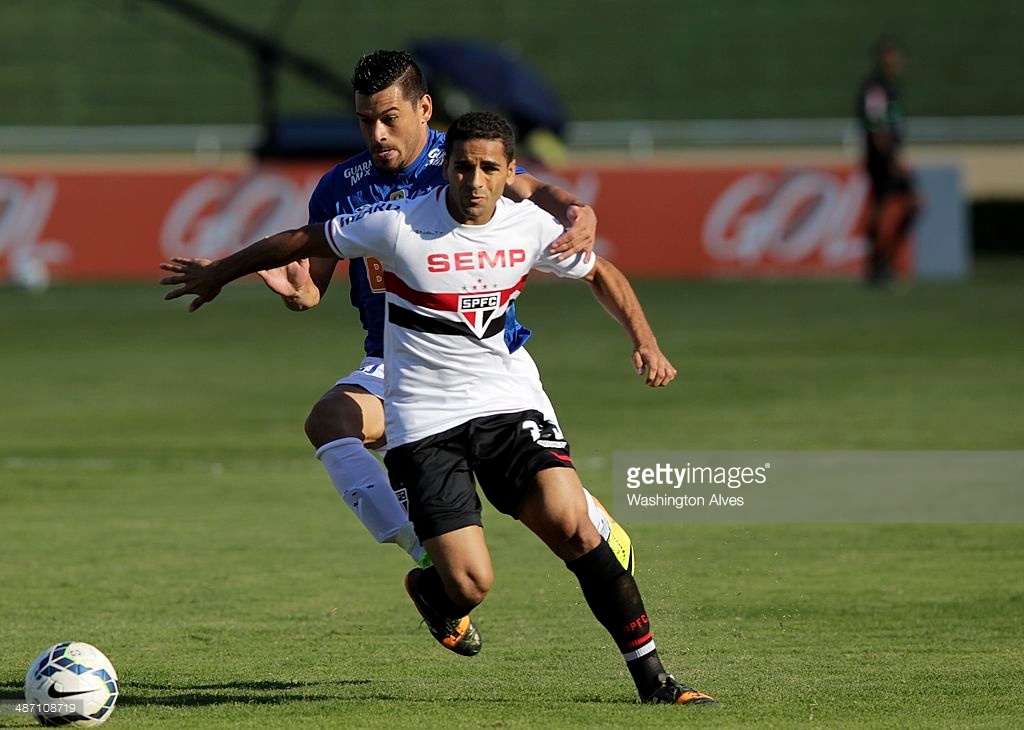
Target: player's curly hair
x: 378, y: 70
x: 481, y: 125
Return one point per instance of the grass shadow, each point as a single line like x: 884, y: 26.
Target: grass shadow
x: 12, y: 689
x: 258, y: 685
x: 250, y: 692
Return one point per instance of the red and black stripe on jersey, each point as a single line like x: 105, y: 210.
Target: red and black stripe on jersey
x: 443, y: 302
x: 410, y: 320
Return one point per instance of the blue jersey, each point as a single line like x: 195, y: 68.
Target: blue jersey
x: 356, y: 184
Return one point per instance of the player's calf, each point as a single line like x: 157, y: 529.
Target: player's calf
x: 556, y: 510
x: 615, y: 600
x: 463, y: 565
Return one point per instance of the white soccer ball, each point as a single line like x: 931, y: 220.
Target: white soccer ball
x: 72, y: 671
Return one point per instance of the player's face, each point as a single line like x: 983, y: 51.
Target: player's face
x: 477, y: 172
x: 394, y: 129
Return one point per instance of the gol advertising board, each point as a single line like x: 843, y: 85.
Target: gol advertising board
x: 690, y: 222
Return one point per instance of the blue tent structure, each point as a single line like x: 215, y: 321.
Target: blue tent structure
x: 494, y: 78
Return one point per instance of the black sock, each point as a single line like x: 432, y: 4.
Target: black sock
x: 615, y: 600
x: 430, y: 587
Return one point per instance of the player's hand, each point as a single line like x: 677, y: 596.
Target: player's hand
x: 287, y: 281
x: 651, y: 363
x: 579, y: 237
x: 194, y: 276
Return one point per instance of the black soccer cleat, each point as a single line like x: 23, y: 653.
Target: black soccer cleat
x: 455, y: 634
x: 674, y: 692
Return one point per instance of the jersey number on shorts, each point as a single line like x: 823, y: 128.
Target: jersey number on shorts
x: 547, y: 435
x: 375, y: 274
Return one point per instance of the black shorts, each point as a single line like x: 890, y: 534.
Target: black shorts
x: 504, y: 453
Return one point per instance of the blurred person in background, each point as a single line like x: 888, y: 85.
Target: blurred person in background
x: 893, y: 203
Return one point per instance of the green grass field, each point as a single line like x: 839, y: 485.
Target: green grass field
x: 158, y: 499
x: 70, y: 62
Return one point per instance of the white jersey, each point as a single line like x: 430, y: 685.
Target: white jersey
x: 448, y: 287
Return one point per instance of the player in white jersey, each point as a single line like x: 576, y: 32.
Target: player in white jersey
x: 455, y: 410
x: 402, y: 160
x: 446, y: 325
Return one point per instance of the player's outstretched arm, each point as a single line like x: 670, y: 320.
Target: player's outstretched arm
x: 616, y: 295
x: 204, y: 278
x: 579, y: 219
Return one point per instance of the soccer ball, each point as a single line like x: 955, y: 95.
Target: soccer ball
x: 72, y: 670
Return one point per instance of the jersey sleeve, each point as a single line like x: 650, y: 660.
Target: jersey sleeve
x: 372, y: 232
x: 573, y: 267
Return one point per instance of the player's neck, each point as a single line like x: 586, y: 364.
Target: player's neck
x: 425, y: 138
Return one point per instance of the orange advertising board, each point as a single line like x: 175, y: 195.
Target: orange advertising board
x: 757, y: 221
x: 728, y: 221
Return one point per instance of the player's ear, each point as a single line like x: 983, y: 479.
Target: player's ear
x: 426, y: 108
x: 511, y: 170
x: 444, y: 168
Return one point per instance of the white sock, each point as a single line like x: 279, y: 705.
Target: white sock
x: 363, y: 484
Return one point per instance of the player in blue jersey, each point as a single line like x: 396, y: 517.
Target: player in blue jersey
x: 403, y: 159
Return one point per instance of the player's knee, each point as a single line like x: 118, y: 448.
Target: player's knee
x: 470, y: 587
x: 583, y: 542
x: 573, y: 539
x: 333, y: 418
